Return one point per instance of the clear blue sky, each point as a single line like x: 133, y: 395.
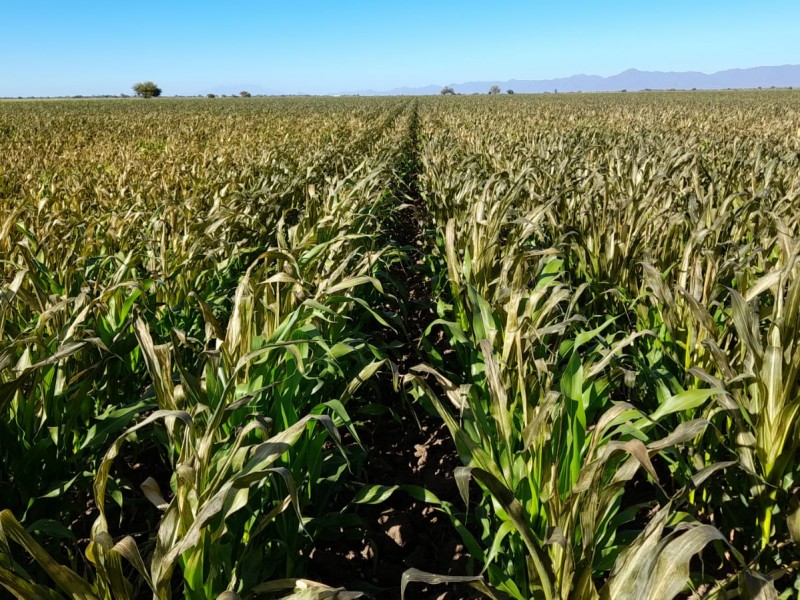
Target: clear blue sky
x: 64, y: 47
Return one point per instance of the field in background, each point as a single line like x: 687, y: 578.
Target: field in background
x: 211, y: 309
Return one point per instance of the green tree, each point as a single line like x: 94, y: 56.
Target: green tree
x: 509, y: 91
x: 146, y: 89
x: 245, y: 94
x: 447, y: 91
x: 494, y: 90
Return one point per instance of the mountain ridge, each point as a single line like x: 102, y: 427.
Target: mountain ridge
x: 631, y: 79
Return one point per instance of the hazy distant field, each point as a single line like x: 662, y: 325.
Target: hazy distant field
x: 245, y: 341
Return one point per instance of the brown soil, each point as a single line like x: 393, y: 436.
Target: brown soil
x: 400, y: 533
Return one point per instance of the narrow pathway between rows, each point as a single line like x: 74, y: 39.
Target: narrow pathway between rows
x: 405, y: 446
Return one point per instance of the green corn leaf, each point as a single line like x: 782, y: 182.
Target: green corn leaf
x: 686, y: 400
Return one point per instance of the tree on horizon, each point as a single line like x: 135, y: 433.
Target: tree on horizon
x: 146, y: 89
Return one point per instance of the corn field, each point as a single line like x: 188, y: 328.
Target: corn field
x: 212, y: 312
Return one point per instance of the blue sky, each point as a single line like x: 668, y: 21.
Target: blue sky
x: 85, y: 47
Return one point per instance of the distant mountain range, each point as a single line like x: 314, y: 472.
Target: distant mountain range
x: 631, y: 80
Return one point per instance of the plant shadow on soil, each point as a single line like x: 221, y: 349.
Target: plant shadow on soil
x: 400, y: 533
